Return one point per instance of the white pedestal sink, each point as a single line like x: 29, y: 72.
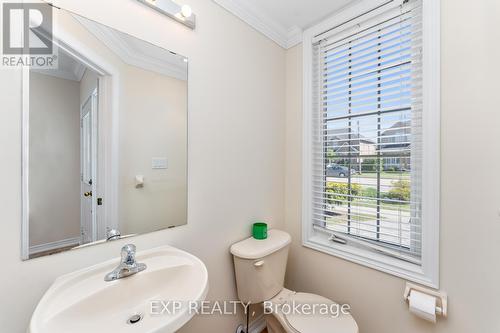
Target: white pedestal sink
x: 82, y: 302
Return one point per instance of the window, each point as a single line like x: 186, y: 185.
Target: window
x: 371, y: 120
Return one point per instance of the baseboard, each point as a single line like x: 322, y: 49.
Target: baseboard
x: 258, y: 325
x: 54, y: 245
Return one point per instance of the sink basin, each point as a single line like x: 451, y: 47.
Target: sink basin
x: 82, y: 302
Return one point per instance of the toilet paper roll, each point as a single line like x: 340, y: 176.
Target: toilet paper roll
x: 423, y: 305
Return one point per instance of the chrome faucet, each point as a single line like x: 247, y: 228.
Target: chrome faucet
x: 128, y: 266
x: 112, y: 234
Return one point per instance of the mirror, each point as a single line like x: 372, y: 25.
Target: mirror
x: 104, y: 139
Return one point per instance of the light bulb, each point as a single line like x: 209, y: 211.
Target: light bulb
x: 186, y: 11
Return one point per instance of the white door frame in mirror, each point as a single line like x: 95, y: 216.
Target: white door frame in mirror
x: 94, y: 176
x: 108, y: 103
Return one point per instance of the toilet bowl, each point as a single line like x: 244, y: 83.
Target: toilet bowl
x: 260, y: 267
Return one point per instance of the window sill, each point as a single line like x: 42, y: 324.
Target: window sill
x: 319, y: 241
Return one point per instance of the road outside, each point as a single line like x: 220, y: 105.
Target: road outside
x: 394, y: 216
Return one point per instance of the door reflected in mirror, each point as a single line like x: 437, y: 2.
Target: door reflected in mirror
x: 105, y: 140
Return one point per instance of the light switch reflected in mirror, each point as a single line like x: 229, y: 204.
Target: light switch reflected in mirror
x: 115, y: 108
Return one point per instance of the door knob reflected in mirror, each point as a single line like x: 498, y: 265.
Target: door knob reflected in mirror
x: 88, y: 194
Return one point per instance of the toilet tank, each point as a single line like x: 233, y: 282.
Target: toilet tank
x: 260, y: 266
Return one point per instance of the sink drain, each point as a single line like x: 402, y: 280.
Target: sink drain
x: 134, y: 319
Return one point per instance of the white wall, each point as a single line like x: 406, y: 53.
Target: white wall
x: 470, y: 196
x: 153, y: 123
x: 54, y: 159
x: 236, y: 153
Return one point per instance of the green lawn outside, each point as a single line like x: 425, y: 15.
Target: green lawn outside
x: 385, y: 175
x: 383, y: 205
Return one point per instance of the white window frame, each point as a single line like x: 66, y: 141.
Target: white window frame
x: 428, y: 272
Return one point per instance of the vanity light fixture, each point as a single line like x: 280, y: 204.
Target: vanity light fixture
x: 186, y: 11
x: 182, y: 14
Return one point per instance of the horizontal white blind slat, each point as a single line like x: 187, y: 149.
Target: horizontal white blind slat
x: 366, y: 158
x: 369, y: 75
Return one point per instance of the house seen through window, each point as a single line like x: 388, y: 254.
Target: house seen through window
x: 370, y: 134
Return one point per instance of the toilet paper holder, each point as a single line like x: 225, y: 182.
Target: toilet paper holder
x: 441, y: 297
x: 139, y: 181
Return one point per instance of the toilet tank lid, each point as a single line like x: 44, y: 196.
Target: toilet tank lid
x: 252, y: 248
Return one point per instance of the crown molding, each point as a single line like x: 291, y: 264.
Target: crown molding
x: 294, y: 37
x: 73, y: 71
x: 136, y: 55
x: 262, y: 23
x: 79, y: 71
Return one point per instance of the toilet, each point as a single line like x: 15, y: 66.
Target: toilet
x: 260, y: 267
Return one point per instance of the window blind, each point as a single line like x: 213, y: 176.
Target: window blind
x: 367, y: 133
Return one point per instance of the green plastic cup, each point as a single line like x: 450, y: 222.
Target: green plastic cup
x: 259, y: 230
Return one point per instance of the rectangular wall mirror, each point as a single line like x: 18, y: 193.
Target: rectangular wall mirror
x: 104, y: 139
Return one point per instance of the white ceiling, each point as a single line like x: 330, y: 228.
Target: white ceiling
x: 283, y: 20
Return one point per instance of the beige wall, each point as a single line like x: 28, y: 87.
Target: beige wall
x: 153, y: 123
x: 237, y: 143
x: 54, y: 166
x: 470, y: 222
x: 236, y: 154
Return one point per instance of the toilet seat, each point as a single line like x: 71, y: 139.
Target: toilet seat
x: 308, y: 322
